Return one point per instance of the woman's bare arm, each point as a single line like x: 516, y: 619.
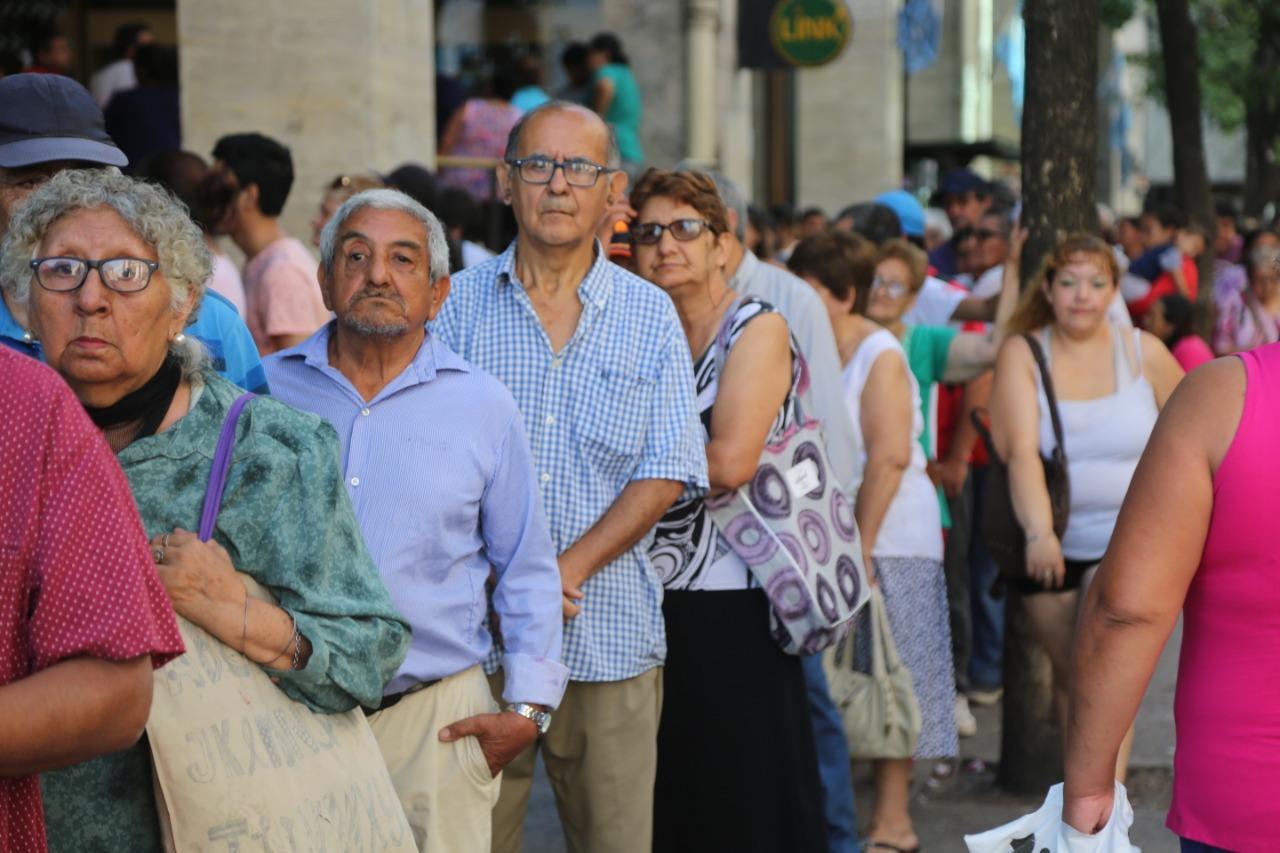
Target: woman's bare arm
x: 1015, y: 427
x: 602, y: 95
x: 972, y: 353
x: 1134, y: 601
x: 73, y: 711
x: 755, y: 381
x: 885, y: 412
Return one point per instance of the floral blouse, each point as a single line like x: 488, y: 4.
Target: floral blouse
x: 286, y: 520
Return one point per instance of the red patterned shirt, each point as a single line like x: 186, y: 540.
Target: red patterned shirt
x: 76, y: 576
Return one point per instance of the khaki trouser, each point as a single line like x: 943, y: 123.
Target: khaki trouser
x: 602, y: 757
x: 446, y: 788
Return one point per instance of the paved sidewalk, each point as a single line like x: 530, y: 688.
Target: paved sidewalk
x: 966, y: 802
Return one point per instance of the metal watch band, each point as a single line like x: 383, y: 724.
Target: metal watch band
x: 541, y: 719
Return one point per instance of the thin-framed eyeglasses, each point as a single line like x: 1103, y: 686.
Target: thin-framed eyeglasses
x: 894, y: 289
x: 684, y: 230
x: 582, y: 174
x: 66, y: 274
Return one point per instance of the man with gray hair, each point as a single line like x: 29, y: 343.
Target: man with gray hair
x: 439, y: 471
x: 598, y: 363
x: 807, y: 318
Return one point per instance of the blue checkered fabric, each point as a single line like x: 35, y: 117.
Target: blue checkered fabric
x: 616, y: 404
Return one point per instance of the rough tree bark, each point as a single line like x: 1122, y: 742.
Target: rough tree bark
x: 1181, y: 52
x: 1262, y: 116
x: 1059, y: 147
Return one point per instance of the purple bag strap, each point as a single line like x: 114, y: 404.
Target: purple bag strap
x: 221, y: 465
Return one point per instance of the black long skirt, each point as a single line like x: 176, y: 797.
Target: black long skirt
x: 737, y: 767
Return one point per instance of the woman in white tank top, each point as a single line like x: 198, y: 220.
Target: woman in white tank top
x: 897, y: 513
x: 1110, y: 384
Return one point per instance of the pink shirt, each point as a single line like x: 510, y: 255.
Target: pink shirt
x: 226, y: 281
x: 76, y: 577
x: 1191, y: 352
x: 1226, y: 768
x: 282, y: 296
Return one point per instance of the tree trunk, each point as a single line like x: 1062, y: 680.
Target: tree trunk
x: 1181, y: 52
x: 1059, y: 125
x: 1261, y: 174
x: 1059, y: 172
x: 1262, y: 118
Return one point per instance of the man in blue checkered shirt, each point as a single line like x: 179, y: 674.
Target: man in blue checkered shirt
x: 598, y: 364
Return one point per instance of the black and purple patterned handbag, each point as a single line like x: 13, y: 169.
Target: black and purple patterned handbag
x: 793, y: 526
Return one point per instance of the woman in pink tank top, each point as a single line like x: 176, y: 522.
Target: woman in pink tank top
x: 1197, y: 535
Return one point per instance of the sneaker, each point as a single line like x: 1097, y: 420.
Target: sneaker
x: 986, y: 696
x: 966, y: 725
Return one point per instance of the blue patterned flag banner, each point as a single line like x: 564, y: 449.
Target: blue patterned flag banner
x: 919, y: 34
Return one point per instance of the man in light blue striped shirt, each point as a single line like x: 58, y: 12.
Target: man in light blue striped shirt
x: 439, y: 471
x: 600, y: 369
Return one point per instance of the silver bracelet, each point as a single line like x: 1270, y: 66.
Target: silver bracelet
x: 297, y: 646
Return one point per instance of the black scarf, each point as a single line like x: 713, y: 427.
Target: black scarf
x: 146, y: 406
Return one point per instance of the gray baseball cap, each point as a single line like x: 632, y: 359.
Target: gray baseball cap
x: 46, y: 117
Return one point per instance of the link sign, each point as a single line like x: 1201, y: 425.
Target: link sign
x: 792, y: 33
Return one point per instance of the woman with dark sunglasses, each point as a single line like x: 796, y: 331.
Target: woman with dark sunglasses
x: 746, y: 779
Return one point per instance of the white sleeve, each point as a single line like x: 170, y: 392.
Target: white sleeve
x: 935, y: 304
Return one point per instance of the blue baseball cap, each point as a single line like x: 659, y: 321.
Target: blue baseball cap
x: 961, y: 181
x: 48, y: 117
x: 908, y: 208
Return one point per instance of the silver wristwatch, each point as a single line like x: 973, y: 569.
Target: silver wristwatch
x: 541, y: 719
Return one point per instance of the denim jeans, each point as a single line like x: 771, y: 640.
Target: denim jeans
x: 833, y: 760
x: 987, y: 645
x: 1189, y: 846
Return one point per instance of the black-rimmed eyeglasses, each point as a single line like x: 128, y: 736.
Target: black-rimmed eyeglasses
x: 65, y: 274
x: 684, y: 230
x: 577, y: 173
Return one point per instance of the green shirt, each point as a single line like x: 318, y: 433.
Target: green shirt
x: 927, y: 348
x: 287, y: 521
x: 625, y: 110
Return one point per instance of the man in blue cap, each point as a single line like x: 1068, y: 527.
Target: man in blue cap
x: 49, y: 123
x: 965, y: 196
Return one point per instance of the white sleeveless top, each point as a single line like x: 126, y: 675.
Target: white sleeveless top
x: 1103, y: 438
x: 913, y: 525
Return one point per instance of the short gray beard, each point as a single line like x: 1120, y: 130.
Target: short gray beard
x: 375, y: 330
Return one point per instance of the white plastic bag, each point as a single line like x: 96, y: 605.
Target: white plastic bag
x: 1043, y: 831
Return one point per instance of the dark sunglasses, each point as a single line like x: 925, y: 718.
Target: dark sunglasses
x: 684, y: 230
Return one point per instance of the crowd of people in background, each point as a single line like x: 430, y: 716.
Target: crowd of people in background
x: 486, y: 464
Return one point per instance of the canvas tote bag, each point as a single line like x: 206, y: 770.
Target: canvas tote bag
x: 793, y: 526
x: 240, y: 765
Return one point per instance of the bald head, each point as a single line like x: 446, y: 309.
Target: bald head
x: 558, y: 110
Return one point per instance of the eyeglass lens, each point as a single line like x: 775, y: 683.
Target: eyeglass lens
x: 124, y: 275
x: 577, y: 173
x: 684, y: 230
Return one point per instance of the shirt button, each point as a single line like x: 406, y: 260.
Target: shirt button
x: 364, y: 412
x: 355, y: 481
x: 546, y: 478
x: 551, y: 419
x: 555, y: 362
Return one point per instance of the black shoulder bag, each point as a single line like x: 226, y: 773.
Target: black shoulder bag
x: 1005, y: 537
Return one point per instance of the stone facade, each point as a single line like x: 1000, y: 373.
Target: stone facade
x: 348, y: 85
x: 848, y: 138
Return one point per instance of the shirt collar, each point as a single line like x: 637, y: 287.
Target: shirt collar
x: 432, y: 357
x: 595, y: 286
x: 746, y: 269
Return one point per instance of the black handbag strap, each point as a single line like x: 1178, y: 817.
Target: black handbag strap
x: 984, y: 431
x: 1037, y: 352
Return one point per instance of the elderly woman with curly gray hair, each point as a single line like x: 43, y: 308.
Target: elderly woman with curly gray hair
x: 112, y: 271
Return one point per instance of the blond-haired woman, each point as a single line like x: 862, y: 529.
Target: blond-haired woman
x: 1110, y: 384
